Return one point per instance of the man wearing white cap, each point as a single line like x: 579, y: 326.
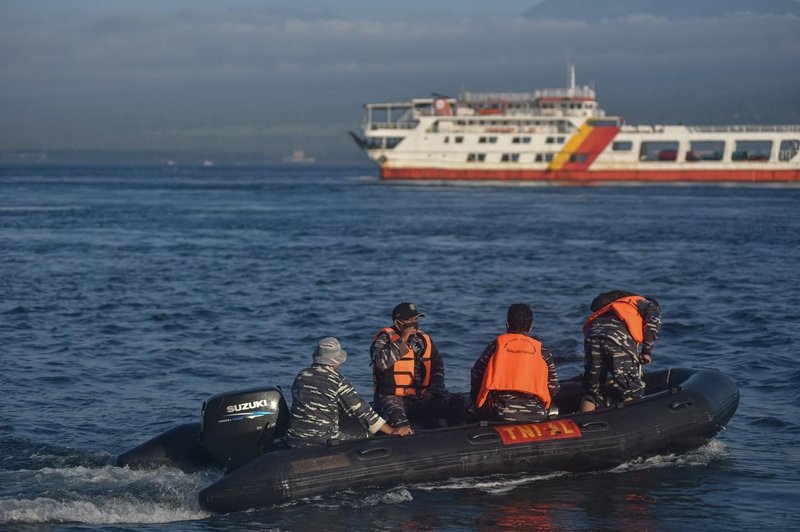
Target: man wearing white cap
x: 318, y: 393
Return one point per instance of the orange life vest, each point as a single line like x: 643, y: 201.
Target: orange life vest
x: 399, y: 379
x: 516, y: 366
x: 627, y: 310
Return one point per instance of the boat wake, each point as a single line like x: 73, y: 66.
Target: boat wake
x: 104, y: 495
x: 711, y: 452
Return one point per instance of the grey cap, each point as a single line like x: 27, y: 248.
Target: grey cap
x: 329, y: 352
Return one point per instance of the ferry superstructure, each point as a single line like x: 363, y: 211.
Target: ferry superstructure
x: 562, y: 135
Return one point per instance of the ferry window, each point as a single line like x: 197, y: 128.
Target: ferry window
x: 663, y: 151
x: 578, y: 158
x: 526, y: 140
x: 471, y: 158
x: 459, y: 140
x: 549, y: 140
x: 789, y: 149
x: 548, y: 157
x: 752, y: 150
x: 705, y: 150
x: 482, y: 140
x: 446, y: 140
x: 492, y: 140
x: 515, y: 140
x: 510, y: 157
x: 539, y: 158
x: 622, y: 145
x: 560, y: 139
x: 481, y: 157
x: 392, y: 142
x: 609, y: 122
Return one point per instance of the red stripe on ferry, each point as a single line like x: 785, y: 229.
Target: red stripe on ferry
x: 595, y: 176
x: 591, y: 147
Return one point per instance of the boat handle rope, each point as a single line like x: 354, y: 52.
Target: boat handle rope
x: 594, y: 426
x: 679, y: 405
x: 375, y: 452
x: 484, y: 437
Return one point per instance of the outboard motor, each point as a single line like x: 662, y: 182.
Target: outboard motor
x: 238, y: 426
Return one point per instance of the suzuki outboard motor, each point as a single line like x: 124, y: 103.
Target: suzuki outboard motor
x: 238, y: 426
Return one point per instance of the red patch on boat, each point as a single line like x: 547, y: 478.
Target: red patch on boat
x: 561, y: 429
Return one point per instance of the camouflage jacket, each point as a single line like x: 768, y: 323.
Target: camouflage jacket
x: 318, y: 393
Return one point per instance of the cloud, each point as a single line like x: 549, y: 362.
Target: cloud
x: 255, y: 65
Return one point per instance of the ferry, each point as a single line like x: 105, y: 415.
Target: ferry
x: 563, y: 136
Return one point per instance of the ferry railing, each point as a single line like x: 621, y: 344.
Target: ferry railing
x: 391, y: 125
x: 744, y: 129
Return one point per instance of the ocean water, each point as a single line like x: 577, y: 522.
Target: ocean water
x: 129, y: 295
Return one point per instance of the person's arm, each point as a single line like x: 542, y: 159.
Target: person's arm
x: 479, y: 370
x: 437, y: 371
x: 385, y: 353
x: 352, y: 403
x: 651, y: 314
x: 593, y: 365
x: 552, y: 376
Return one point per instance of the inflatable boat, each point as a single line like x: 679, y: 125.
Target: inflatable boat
x: 242, y: 432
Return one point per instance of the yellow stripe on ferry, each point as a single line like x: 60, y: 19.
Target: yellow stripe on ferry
x: 562, y: 157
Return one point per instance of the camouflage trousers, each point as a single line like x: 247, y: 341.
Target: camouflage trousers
x: 507, y: 406
x: 424, y: 411
x: 612, y: 370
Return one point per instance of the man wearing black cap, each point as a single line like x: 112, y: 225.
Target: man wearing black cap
x: 320, y: 392
x: 408, y: 373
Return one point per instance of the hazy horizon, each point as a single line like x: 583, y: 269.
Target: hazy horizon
x: 259, y: 79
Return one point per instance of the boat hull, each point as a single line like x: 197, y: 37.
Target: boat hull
x: 691, y: 408
x: 593, y: 176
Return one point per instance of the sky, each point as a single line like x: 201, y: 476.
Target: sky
x: 255, y: 79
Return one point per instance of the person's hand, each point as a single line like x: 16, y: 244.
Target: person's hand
x: 402, y: 431
x: 406, y: 333
x: 645, y: 357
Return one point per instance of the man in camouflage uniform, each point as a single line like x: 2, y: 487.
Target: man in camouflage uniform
x: 514, y: 405
x: 422, y: 397
x: 319, y: 392
x: 613, y: 364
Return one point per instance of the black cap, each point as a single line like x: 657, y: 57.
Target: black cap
x: 405, y: 311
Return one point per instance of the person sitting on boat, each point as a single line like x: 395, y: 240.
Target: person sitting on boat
x: 514, y: 379
x: 318, y: 393
x: 621, y: 321
x: 408, y: 373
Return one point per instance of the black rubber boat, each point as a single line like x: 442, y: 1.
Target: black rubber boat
x: 683, y: 409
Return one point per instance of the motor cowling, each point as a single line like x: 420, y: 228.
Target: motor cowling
x: 239, y: 426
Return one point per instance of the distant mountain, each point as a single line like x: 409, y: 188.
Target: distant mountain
x: 594, y: 10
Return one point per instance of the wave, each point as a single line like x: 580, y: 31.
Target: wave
x: 105, y: 495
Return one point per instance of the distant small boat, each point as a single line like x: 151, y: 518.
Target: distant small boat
x: 207, y: 163
x: 242, y: 431
x: 298, y: 157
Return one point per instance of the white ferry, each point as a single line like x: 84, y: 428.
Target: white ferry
x: 561, y: 135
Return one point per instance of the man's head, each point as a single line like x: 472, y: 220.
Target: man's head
x: 405, y: 314
x: 329, y: 352
x: 519, y: 318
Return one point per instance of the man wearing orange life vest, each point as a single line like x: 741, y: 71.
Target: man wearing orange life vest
x: 515, y: 378
x: 408, y: 374
x: 621, y: 321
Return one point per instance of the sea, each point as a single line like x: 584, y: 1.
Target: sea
x: 129, y: 295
